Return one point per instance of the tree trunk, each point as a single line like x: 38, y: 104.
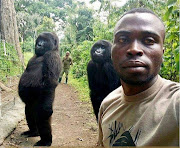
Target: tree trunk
x: 8, y: 26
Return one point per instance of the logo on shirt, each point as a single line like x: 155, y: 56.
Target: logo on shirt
x: 125, y: 138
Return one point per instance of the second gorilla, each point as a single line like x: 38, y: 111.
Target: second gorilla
x: 102, y: 77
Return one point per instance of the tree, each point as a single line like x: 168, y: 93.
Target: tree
x: 84, y: 23
x: 27, y: 24
x: 47, y: 25
x: 79, y: 26
x: 8, y: 26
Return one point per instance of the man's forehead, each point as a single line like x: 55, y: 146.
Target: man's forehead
x: 137, y: 19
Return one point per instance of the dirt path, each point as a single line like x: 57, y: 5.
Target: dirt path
x: 73, y: 123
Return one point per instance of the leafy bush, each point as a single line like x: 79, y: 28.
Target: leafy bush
x: 27, y: 56
x: 9, y: 62
x: 81, y: 57
x: 81, y: 86
x: 170, y: 67
x: 102, y: 31
x: 64, y: 48
x: 28, y: 45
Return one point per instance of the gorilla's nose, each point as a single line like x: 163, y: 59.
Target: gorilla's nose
x: 99, y: 51
x: 40, y: 44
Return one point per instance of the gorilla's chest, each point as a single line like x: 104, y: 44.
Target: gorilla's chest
x: 100, y: 77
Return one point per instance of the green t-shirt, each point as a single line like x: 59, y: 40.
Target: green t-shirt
x: 67, y: 62
x: 149, y: 118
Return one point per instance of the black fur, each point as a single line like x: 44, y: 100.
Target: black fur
x: 102, y: 77
x: 37, y: 87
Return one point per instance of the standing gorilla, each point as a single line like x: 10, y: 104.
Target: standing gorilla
x: 37, y: 87
x: 102, y: 77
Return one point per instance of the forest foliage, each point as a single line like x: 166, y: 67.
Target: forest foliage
x: 10, y: 64
x: 79, y: 26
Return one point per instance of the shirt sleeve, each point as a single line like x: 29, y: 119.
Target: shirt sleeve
x: 71, y: 62
x: 63, y: 59
x: 177, y: 107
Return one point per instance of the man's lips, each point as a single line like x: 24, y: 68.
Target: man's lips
x: 133, y: 64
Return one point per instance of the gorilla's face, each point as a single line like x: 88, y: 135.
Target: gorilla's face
x: 45, y: 42
x: 101, y: 51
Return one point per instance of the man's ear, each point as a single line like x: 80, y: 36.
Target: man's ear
x: 163, y: 49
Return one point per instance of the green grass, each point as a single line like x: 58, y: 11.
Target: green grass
x: 27, y: 56
x: 81, y: 86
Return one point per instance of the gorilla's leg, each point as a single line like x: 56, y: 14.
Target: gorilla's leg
x: 31, y: 121
x: 44, y: 127
x: 44, y: 112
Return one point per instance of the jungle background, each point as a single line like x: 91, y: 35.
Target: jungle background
x: 78, y: 26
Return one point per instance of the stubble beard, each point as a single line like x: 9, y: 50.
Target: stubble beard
x: 136, y: 81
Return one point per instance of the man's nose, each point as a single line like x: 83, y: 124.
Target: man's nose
x: 135, y: 49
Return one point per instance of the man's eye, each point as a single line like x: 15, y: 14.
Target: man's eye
x: 123, y: 40
x: 149, y: 41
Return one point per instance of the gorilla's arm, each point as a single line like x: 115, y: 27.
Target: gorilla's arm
x: 113, y: 78
x: 32, y: 76
x: 30, y: 62
x: 51, y: 68
x: 91, y: 69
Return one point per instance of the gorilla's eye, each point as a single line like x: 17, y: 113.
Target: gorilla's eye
x: 55, y: 42
x: 103, y: 47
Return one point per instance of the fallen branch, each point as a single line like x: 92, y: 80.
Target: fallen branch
x: 5, y: 88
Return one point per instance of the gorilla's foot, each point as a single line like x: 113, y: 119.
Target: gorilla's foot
x: 43, y: 143
x: 30, y: 133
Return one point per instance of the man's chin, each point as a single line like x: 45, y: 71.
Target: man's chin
x: 136, y: 81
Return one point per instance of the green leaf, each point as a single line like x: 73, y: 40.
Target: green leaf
x: 167, y: 14
x: 171, y: 2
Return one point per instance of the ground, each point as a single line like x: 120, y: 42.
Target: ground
x: 73, y: 122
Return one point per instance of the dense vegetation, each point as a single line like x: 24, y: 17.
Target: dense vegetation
x: 79, y: 26
x: 10, y: 64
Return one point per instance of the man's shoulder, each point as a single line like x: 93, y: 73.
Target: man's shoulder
x: 171, y: 89
x: 173, y: 86
x: 70, y: 58
x: 67, y: 59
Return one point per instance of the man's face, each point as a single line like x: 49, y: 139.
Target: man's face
x: 138, y: 47
x: 67, y: 54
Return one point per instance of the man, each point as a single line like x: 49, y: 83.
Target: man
x: 144, y: 111
x: 67, y: 61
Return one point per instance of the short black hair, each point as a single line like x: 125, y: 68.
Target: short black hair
x: 141, y: 10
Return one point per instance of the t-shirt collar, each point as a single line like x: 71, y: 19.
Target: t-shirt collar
x: 146, y: 93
